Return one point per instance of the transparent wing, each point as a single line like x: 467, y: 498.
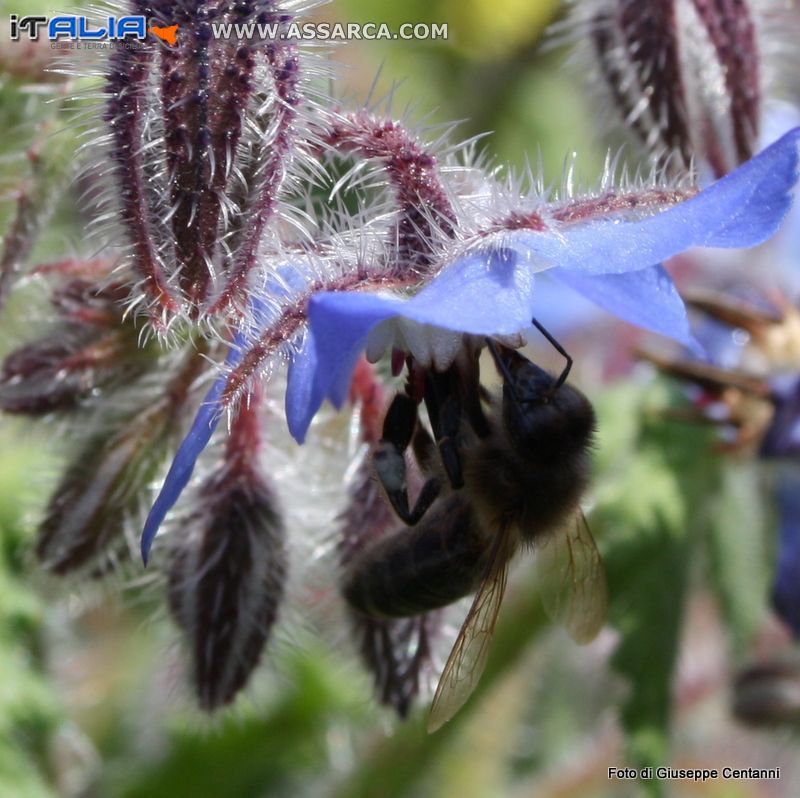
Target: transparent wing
x: 468, y: 657
x: 573, y: 580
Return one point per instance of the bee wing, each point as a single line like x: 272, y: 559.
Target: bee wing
x: 573, y: 579
x: 468, y: 657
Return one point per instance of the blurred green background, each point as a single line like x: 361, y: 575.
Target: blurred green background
x: 92, y: 695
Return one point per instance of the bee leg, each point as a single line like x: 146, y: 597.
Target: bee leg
x: 442, y: 399
x: 390, y: 463
x: 474, y: 393
x: 425, y: 451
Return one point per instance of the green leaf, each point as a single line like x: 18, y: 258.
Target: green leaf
x: 29, y: 711
x: 18, y: 776
x: 251, y: 751
x: 738, y: 552
x: 650, y: 519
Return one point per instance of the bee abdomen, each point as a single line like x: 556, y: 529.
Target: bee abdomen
x: 420, y: 568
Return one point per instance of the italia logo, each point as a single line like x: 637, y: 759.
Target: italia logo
x: 81, y: 28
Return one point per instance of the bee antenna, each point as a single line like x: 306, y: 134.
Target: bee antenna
x: 561, y: 351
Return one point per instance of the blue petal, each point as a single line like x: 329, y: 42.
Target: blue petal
x: 455, y: 300
x: 196, y: 440
x: 562, y: 310
x: 742, y: 209
x: 288, y: 278
x: 306, y: 389
x: 337, y: 336
x: 302, y: 398
x: 647, y: 298
x: 490, y: 292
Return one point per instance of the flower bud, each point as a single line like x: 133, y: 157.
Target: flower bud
x: 688, y: 76
x: 35, y: 200
x: 396, y: 652
x: 101, y: 490
x: 93, y: 348
x: 226, y: 580
x: 200, y: 134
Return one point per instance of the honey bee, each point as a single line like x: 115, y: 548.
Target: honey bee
x: 516, y: 473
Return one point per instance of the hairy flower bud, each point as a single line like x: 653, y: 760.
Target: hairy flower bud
x: 102, y: 489
x: 91, y: 348
x: 35, y: 200
x: 228, y: 570
x: 396, y: 652
x: 200, y: 138
x: 688, y: 76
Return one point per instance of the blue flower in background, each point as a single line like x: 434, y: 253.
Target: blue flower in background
x: 782, y: 442
x: 786, y: 585
x: 782, y: 438
x: 610, y: 257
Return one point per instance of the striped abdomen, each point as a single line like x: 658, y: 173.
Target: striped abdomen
x: 420, y: 568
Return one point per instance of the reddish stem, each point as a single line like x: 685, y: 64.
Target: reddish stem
x: 293, y: 317
x: 426, y: 213
x: 367, y: 391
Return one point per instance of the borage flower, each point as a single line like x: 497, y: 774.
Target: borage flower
x: 749, y: 389
x: 751, y: 394
x: 608, y: 247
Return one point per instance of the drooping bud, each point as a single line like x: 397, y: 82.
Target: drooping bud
x: 103, y: 488
x: 688, y: 76
x: 35, y: 199
x: 228, y: 570
x: 201, y: 129
x: 92, y: 348
x: 100, y: 490
x: 396, y: 652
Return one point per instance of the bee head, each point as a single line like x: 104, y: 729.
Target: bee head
x: 540, y: 411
